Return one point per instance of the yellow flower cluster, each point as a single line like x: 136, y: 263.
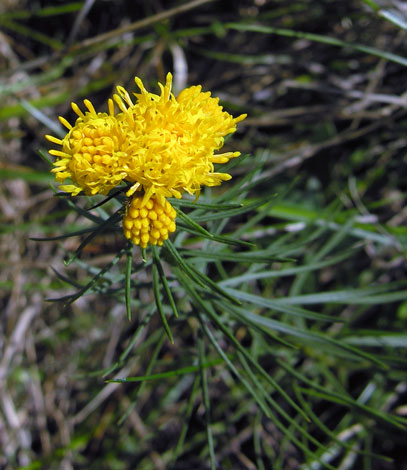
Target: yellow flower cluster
x: 149, y: 223
x: 163, y: 145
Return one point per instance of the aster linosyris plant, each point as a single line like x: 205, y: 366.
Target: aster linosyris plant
x: 160, y: 145
x: 241, y: 275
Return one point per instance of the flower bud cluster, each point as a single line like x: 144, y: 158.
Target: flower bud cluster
x: 148, y: 223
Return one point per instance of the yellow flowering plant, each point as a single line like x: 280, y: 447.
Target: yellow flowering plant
x: 144, y: 154
x: 280, y: 301
x: 160, y: 145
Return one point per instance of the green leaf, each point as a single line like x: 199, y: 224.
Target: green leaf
x: 164, y: 281
x: 380, y: 339
x: 157, y: 297
x: 71, y: 298
x: 342, y: 399
x: 312, y: 338
x: 340, y: 443
x: 203, y: 204
x: 257, y: 275
x: 206, y: 402
x: 26, y: 174
x: 170, y: 373
x: 364, y: 296
x: 127, y: 287
x: 140, y: 389
x: 62, y: 237
x: 135, y: 338
x: 105, y: 225
x: 282, y: 307
x: 185, y: 424
x: 249, y: 257
x: 214, y: 237
x: 226, y: 214
x: 195, y: 275
x: 259, y: 399
x: 257, y: 28
x: 200, y: 303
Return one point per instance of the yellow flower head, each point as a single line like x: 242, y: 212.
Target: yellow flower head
x: 93, y: 152
x: 162, y: 144
x: 173, y: 140
x: 149, y: 222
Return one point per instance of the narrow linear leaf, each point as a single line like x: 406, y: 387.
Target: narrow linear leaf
x: 202, y: 204
x: 242, y: 351
x: 363, y: 231
x: 181, y: 262
x: 140, y: 389
x: 192, y: 224
x: 245, y: 59
x: 62, y: 237
x: 111, y: 196
x: 28, y: 175
x: 280, y: 410
x: 206, y: 402
x: 132, y: 342
x: 85, y: 212
x: 187, y: 416
x: 282, y: 307
x: 318, y: 38
x: 170, y: 373
x: 250, y: 257
x: 157, y: 297
x: 91, y: 284
x: 311, y: 337
x: 304, y: 403
x: 365, y: 296
x: 259, y: 400
x: 255, y: 276
x: 32, y: 34
x: 201, y: 304
x: 45, y: 157
x: 336, y: 397
x: 164, y: 282
x: 390, y: 340
x: 242, y: 185
x: 127, y: 286
x: 232, y: 212
x: 200, y: 278
x: 111, y: 221
x: 216, y: 238
x: 66, y: 279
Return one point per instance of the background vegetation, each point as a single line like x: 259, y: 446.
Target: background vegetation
x: 289, y: 350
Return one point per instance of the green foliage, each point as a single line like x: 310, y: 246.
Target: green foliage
x: 270, y: 330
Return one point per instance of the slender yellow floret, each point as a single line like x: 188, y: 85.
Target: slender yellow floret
x: 148, y: 222
x: 173, y: 140
x: 93, y: 152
